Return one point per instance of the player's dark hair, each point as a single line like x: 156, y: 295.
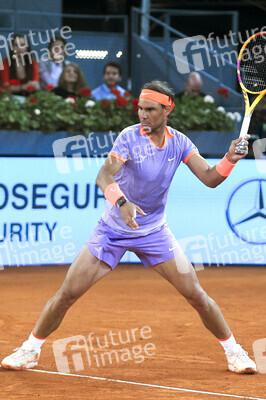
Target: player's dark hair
x: 161, y: 87
x: 113, y: 64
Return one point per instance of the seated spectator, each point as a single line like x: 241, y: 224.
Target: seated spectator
x: 112, y: 75
x: 51, y: 70
x: 193, y: 86
x: 20, y: 73
x: 70, y: 82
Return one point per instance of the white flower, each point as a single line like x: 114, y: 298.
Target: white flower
x: 207, y: 111
x: 221, y: 109
x: 70, y: 100
x: 90, y: 103
x: 230, y: 115
x: 37, y: 111
x: 208, y: 99
x: 237, y: 116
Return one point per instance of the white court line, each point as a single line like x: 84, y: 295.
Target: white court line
x: 146, y: 384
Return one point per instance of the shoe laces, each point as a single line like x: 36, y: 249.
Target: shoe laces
x: 22, y: 349
x: 241, y: 354
x: 18, y: 352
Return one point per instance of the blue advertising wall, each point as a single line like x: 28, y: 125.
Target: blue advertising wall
x: 47, y: 213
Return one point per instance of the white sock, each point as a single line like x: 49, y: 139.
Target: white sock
x: 229, y: 344
x: 34, y: 342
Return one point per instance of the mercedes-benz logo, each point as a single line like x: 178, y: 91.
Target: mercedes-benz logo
x: 246, y: 211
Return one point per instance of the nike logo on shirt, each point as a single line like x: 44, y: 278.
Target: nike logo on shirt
x: 172, y: 248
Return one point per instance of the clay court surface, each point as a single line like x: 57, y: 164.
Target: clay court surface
x: 186, y: 355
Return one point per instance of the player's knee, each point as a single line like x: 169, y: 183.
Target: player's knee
x: 199, y: 299
x: 64, y: 299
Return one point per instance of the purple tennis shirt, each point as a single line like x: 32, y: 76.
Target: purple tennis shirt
x: 146, y: 176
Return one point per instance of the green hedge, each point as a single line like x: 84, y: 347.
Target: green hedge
x: 47, y: 112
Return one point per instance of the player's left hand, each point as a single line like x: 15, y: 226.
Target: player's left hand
x: 129, y: 212
x: 232, y: 156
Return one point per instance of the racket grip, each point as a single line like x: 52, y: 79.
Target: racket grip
x: 245, y: 126
x: 244, y: 130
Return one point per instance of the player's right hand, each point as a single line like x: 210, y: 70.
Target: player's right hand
x: 129, y: 212
x: 233, y: 156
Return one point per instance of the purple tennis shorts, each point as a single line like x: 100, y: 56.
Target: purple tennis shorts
x: 109, y: 245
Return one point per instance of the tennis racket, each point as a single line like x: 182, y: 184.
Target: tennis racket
x: 251, y: 73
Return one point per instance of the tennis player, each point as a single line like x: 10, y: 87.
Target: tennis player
x: 135, y: 180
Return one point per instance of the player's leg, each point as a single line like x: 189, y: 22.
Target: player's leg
x: 85, y: 271
x: 181, y: 274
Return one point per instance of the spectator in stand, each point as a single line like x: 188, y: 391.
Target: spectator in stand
x: 112, y: 75
x: 193, y: 86
x: 70, y: 82
x: 51, y: 69
x: 20, y: 72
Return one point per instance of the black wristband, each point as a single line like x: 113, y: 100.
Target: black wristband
x: 122, y: 200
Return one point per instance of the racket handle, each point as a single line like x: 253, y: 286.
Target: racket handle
x: 244, y: 130
x: 245, y: 126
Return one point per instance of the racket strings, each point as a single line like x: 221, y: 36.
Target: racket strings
x: 253, y: 65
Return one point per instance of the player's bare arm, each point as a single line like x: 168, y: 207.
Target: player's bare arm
x: 105, y: 177
x: 106, y: 174
x: 208, y: 174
